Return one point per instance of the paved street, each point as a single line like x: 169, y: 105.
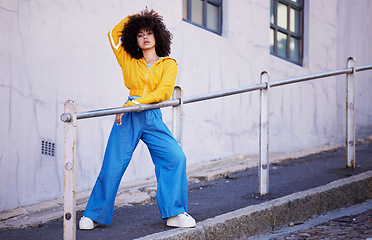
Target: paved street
x: 350, y: 223
x: 348, y: 227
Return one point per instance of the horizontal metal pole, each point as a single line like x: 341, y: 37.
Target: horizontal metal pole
x: 309, y: 77
x: 66, y: 117
x: 224, y: 93
x: 363, y: 68
x: 134, y: 108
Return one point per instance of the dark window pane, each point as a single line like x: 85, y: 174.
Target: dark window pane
x: 282, y: 44
x: 197, y: 11
x: 272, y: 10
x: 212, y: 17
x: 294, y: 47
x: 271, y: 40
x: 184, y: 9
x: 294, y: 25
x: 282, y: 15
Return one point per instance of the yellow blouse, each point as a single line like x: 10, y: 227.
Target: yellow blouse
x: 154, y: 84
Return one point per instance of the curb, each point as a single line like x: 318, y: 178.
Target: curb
x: 272, y: 215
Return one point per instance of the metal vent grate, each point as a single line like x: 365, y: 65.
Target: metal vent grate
x: 47, y: 148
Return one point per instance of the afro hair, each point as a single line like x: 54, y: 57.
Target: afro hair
x: 146, y: 20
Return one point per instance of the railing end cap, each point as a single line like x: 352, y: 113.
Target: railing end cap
x: 66, y: 117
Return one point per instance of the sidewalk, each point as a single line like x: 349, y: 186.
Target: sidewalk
x: 216, y: 191
x: 354, y: 222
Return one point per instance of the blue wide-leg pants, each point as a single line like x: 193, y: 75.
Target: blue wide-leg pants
x: 166, y: 154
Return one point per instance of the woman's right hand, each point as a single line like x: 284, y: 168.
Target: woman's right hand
x: 118, y: 118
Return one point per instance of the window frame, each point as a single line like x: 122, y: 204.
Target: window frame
x: 215, y: 3
x: 276, y: 28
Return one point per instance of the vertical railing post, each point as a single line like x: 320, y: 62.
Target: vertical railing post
x: 69, y: 201
x: 177, y: 115
x: 263, y: 171
x: 350, y: 114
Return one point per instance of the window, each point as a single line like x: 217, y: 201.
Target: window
x: 286, y: 29
x: 204, y: 13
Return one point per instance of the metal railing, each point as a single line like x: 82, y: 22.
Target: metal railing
x: 71, y: 116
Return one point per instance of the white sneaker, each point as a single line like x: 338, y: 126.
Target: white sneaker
x: 183, y: 220
x: 86, y: 223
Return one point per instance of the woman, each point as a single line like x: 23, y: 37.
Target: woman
x: 141, y: 44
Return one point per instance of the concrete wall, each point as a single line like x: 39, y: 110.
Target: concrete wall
x: 52, y: 51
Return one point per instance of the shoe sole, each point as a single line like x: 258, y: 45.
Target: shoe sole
x: 86, y: 228
x: 176, y: 226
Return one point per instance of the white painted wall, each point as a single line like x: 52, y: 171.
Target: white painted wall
x: 51, y: 51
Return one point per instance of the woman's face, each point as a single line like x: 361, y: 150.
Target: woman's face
x: 146, y: 39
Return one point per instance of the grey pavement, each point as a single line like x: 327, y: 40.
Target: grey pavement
x: 353, y: 222
x: 222, y: 198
